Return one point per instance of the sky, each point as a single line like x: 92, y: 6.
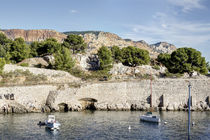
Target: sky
x: 184, y: 23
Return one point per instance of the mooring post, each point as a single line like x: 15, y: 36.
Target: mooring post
x: 189, y: 104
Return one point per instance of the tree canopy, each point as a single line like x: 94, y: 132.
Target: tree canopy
x: 19, y: 50
x: 49, y: 46
x: 105, y: 58
x: 184, y: 60
x: 75, y: 43
x: 132, y: 56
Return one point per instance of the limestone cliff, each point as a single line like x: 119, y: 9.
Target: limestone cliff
x: 34, y: 35
x: 95, y: 41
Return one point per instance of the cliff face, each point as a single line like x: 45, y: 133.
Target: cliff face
x: 95, y: 41
x: 33, y: 35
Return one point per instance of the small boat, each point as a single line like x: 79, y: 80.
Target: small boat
x: 148, y: 117
x: 51, y: 123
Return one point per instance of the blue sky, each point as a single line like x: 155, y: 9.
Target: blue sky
x: 180, y: 22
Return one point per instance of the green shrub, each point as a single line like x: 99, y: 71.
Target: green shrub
x: 144, y: 76
x: 24, y: 64
x: 101, y: 75
x: 156, y: 67
x: 2, y: 63
x: 77, y: 72
x: 172, y: 75
x: 12, y: 77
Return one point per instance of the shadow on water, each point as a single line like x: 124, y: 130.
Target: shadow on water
x: 149, y: 124
x: 88, y: 111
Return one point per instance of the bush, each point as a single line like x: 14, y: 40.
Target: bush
x: 101, y: 75
x: 12, y: 77
x: 132, y: 56
x: 156, y: 67
x: 172, y: 75
x: 105, y: 58
x: 24, y: 64
x: 2, y: 63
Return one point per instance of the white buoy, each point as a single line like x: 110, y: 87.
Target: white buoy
x: 165, y: 122
x: 129, y: 128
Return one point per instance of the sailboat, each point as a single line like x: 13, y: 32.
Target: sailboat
x: 148, y: 117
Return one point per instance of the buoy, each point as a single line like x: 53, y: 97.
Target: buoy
x: 193, y: 123
x: 165, y: 122
x: 129, y: 127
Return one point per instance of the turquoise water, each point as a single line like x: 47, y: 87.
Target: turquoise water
x: 102, y: 125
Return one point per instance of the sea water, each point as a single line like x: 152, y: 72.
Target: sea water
x: 105, y: 125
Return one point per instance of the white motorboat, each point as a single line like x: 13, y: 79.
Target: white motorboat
x: 51, y: 123
x: 148, y: 117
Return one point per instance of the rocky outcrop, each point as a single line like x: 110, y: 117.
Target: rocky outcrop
x: 35, y: 62
x: 53, y: 76
x: 34, y: 35
x: 119, y: 71
x: 95, y: 41
x: 163, y: 47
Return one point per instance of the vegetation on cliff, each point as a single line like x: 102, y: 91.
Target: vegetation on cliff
x: 82, y: 32
x: 184, y: 60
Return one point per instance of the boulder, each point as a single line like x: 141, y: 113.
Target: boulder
x: 50, y: 102
x: 49, y: 58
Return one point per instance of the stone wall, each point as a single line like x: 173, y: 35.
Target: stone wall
x: 169, y: 94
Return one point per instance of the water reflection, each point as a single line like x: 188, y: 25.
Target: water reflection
x: 52, y: 132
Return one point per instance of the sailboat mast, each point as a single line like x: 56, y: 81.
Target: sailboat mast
x: 151, y: 89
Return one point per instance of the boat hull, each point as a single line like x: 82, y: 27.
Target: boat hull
x: 152, y: 119
x: 53, y: 126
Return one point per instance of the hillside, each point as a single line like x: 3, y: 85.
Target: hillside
x: 94, y: 39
